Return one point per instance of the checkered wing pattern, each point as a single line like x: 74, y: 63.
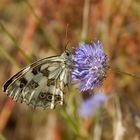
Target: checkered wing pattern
x: 42, y: 83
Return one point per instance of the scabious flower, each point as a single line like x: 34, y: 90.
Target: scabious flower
x: 90, y: 106
x: 90, y: 66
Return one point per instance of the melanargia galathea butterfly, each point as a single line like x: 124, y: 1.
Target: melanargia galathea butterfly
x: 42, y: 83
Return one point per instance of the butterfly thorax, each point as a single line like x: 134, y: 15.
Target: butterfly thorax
x: 67, y: 57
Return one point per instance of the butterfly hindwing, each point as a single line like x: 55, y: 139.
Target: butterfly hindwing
x: 40, y: 84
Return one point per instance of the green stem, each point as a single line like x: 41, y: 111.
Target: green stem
x: 70, y: 122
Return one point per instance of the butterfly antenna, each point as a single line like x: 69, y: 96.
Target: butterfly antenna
x: 66, y: 37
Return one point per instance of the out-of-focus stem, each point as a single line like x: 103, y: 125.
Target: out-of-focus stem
x: 2, y: 137
x: 105, y: 23
x: 37, y: 14
x: 117, y: 22
x: 119, y: 130
x: 85, y: 20
x: 97, y: 131
x: 70, y: 122
x: 125, y: 73
x: 27, y: 59
x: 5, y: 114
x: 8, y: 57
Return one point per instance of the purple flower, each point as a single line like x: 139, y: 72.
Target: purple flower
x: 90, y: 66
x: 89, y: 106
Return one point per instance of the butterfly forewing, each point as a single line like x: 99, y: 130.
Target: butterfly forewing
x: 42, y: 83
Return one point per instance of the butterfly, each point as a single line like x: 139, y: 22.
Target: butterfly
x: 42, y: 83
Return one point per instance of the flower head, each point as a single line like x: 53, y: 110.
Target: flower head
x: 90, y: 66
x: 89, y: 106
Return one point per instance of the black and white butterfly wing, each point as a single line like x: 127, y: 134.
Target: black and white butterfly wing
x: 42, y: 83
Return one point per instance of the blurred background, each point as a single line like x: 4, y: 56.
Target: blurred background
x: 30, y: 30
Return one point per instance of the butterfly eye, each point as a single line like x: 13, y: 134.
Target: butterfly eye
x: 67, y: 53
